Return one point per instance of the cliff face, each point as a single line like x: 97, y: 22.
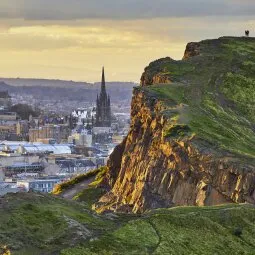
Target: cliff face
x: 192, y: 50
x: 170, y: 156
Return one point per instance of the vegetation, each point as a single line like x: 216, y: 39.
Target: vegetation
x: 241, y: 91
x: 92, y: 194
x: 99, y: 177
x: 212, y: 95
x: 43, y: 224
x: 24, y: 111
x: 89, y: 195
x: 209, y: 230
x: 178, y: 131
x: 69, y: 184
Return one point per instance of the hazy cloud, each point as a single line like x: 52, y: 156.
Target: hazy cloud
x: 72, y: 39
x: 120, y: 9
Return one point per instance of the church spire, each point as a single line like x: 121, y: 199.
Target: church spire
x: 103, y: 89
x: 103, y: 110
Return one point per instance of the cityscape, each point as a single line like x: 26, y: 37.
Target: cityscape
x: 48, y: 148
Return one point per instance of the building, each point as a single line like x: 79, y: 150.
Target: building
x: 39, y: 149
x: 7, y: 128
x: 22, y: 128
x: 49, y: 133
x: 103, y: 106
x: 5, y: 100
x: 81, y: 139
x: 6, y: 188
x: 75, y: 166
x: 44, y: 185
x: 8, y: 116
x: 11, y: 158
x: 10, y: 150
x: 22, y: 168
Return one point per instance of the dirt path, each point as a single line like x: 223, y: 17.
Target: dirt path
x: 72, y: 192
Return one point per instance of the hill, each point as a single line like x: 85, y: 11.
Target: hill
x: 192, y: 134
x: 42, y: 224
x: 42, y: 89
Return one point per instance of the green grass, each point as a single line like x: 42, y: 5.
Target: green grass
x: 58, y: 189
x: 89, y: 195
x: 43, y: 224
x: 241, y: 91
x: 214, y: 99
x: 174, y: 92
x: 214, y: 230
x: 178, y: 131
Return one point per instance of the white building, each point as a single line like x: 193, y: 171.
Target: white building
x: 19, y: 148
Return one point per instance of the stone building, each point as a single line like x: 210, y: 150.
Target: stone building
x: 103, y: 108
x: 58, y: 133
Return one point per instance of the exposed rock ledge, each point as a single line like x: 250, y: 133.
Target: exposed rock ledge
x: 192, y: 50
x: 148, y: 170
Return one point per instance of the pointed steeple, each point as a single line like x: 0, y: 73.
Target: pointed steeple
x: 103, y: 109
x: 103, y: 89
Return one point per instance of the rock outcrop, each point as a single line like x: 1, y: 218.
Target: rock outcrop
x: 155, y: 172
x: 163, y: 163
x: 158, y: 76
x: 192, y: 50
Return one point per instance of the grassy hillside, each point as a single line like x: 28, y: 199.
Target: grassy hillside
x: 43, y: 224
x: 215, y: 93
x: 214, y: 230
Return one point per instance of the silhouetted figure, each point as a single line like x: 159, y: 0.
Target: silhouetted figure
x: 247, y: 33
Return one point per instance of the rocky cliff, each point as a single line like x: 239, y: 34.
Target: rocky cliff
x: 192, y: 136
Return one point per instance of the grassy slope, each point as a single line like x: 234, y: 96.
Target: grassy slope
x: 42, y: 224
x: 218, y: 88
x: 36, y: 224
x: 214, y: 230
x: 64, y: 186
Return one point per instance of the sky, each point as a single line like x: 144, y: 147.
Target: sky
x: 73, y: 39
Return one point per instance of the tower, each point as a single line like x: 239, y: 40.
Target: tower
x: 103, y: 108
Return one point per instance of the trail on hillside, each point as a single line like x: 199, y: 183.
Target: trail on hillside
x: 77, y: 188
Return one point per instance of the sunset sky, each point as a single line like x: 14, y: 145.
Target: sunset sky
x: 73, y: 39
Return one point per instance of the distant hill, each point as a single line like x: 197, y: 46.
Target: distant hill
x: 20, y: 82
x: 69, y: 90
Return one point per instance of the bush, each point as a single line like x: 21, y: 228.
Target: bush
x: 238, y: 232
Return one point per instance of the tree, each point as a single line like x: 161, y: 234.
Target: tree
x: 24, y: 111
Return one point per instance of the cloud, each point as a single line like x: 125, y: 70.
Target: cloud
x: 72, y: 39
x: 122, y: 10
x: 110, y: 36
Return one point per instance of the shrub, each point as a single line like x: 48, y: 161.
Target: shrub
x: 238, y: 232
